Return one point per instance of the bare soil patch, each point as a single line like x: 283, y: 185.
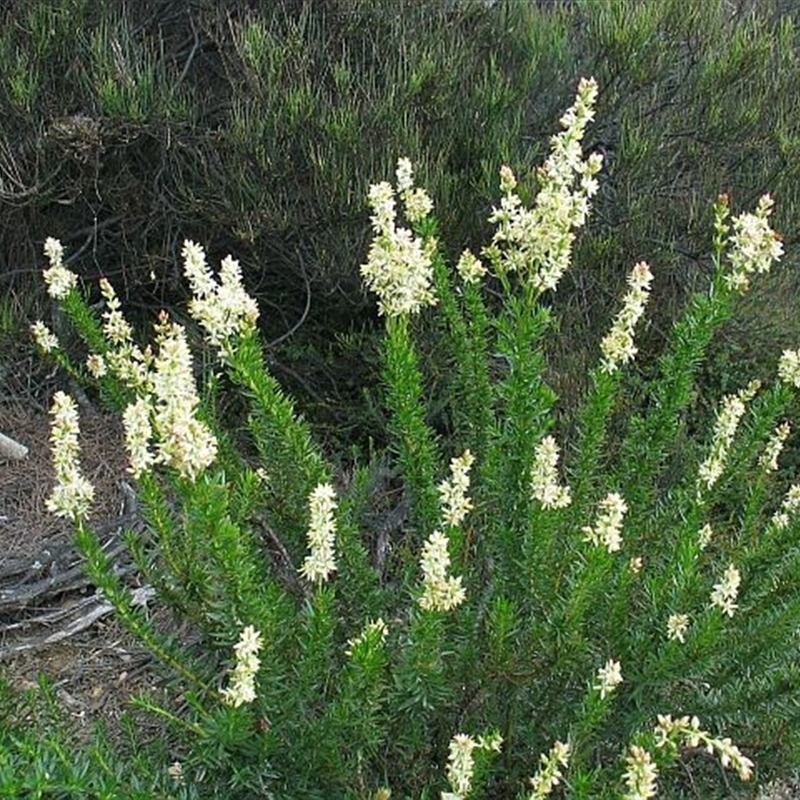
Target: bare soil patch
x: 26, y: 527
x: 94, y: 672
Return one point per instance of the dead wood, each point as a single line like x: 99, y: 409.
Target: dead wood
x: 47, y: 599
x: 9, y: 449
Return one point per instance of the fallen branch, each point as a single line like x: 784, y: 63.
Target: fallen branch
x: 45, y: 600
x: 74, y: 619
x: 10, y: 449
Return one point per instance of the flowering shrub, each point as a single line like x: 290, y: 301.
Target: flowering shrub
x: 533, y: 623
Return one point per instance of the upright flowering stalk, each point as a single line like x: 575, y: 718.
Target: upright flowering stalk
x: 242, y: 688
x: 59, y: 279
x: 549, y: 774
x: 789, y: 368
x: 440, y: 591
x: 641, y: 774
x: 73, y: 494
x: 686, y: 732
x: 608, y: 678
x: 321, y: 560
x: 618, y: 346
x: 537, y: 242
x: 460, y: 766
x: 461, y: 762
x: 161, y: 426
x: 117, y: 329
x: 677, y: 625
x: 185, y: 442
x: 124, y: 358
x: 416, y: 202
x: 453, y: 492
x: 725, y: 592
x: 753, y: 245
x: 45, y: 339
x: 544, y: 476
x: 789, y: 508
x: 224, y: 309
x: 769, y: 458
x: 607, y: 530
x: 399, y: 268
x: 728, y: 419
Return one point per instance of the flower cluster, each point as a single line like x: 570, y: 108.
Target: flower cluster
x: 725, y: 592
x: 73, y: 494
x: 453, y: 492
x: 677, y: 625
x: 125, y: 359
x: 469, y: 268
x: 537, y: 242
x: 321, y: 560
x: 138, y: 433
x: 60, y: 280
x: 789, y: 507
x: 789, y: 367
x: 45, y: 339
x: 96, y: 365
x: 224, y: 309
x: 769, y: 458
x: 617, y: 346
x: 184, y: 442
x: 549, y: 774
x: 167, y: 401
x: 374, y: 633
x: 440, y: 591
x: 544, y: 476
x: 163, y: 414
x: 163, y: 382
x: 242, y: 689
x: 685, y: 731
x: 416, y: 201
x: 728, y: 419
x: 753, y: 245
x: 607, y: 530
x: 117, y: 329
x: 608, y: 678
x: 640, y: 777
x: 461, y: 762
x: 399, y: 268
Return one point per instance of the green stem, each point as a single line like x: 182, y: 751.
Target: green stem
x: 525, y: 404
x: 288, y: 453
x: 416, y: 443
x: 593, y: 425
x: 101, y: 572
x: 156, y: 709
x: 466, y: 331
x: 650, y: 437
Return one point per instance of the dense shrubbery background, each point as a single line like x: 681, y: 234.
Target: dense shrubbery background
x: 131, y: 126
